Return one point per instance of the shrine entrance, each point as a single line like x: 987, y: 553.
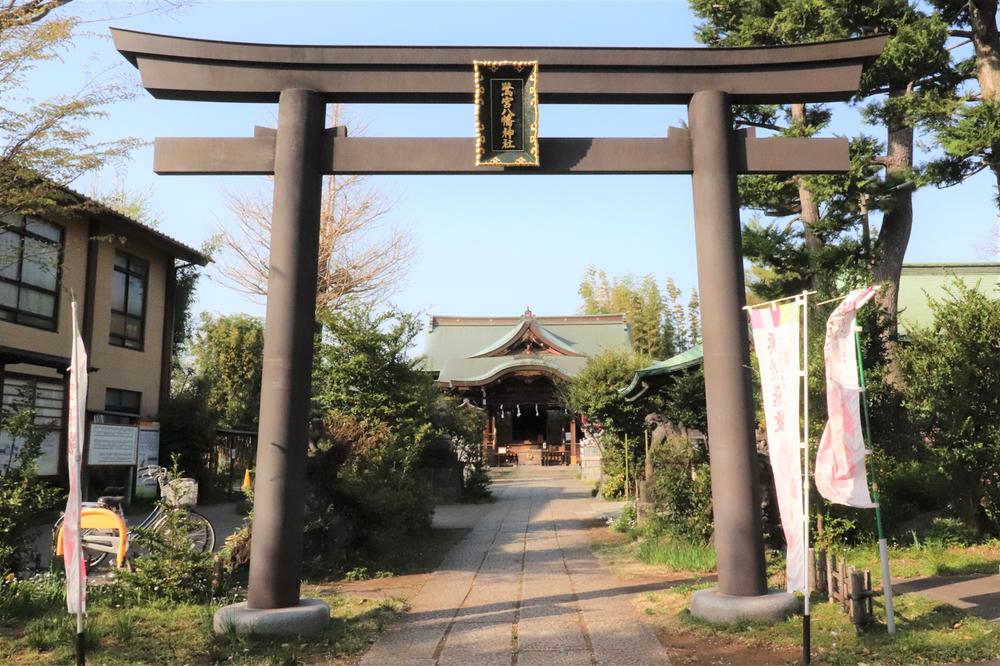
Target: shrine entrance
x: 515, y: 369
x: 303, y: 79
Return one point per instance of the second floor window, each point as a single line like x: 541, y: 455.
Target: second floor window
x: 128, y: 301
x: 123, y: 402
x: 30, y: 252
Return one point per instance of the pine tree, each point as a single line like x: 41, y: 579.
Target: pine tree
x: 967, y: 128
x: 834, y: 240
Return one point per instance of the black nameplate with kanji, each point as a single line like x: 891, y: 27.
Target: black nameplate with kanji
x: 506, y: 113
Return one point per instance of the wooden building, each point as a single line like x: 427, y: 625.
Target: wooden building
x: 515, y: 368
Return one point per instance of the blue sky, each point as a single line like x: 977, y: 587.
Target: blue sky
x: 472, y: 257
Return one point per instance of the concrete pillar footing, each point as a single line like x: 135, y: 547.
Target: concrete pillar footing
x: 714, y: 606
x: 310, y: 616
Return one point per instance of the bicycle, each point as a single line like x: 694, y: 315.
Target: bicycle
x: 103, y: 530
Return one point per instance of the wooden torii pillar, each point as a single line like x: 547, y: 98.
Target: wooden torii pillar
x: 302, y: 79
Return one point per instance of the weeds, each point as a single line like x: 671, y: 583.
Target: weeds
x: 677, y: 554
x: 55, y: 631
x: 28, y: 597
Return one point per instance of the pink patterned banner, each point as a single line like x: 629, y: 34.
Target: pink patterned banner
x: 840, y: 461
x: 776, y: 340
x: 76, y: 568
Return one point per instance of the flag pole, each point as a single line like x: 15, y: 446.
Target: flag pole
x: 883, y: 547
x: 626, y: 467
x: 806, y: 628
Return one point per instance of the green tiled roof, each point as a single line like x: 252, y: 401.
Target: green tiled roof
x: 920, y: 281
x: 455, y: 346
x: 653, y: 375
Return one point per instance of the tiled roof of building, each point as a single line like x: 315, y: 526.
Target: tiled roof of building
x: 464, y: 351
x: 170, y: 245
x: 652, y: 376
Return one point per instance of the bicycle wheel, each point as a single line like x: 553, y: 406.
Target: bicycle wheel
x: 201, y: 534
x: 88, y: 537
x: 195, y: 529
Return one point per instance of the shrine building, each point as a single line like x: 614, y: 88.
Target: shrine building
x: 515, y: 368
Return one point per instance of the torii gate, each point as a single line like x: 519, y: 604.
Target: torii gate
x: 303, y: 79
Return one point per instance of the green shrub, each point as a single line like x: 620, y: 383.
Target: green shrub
x: 839, y: 532
x: 910, y: 489
x: 950, y: 532
x: 952, y: 391
x: 627, y: 520
x: 477, y: 485
x: 680, y: 491
x: 382, y: 418
x: 168, y: 569
x: 613, y: 465
x: 23, y: 495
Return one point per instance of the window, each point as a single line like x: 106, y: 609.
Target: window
x: 120, y: 400
x: 128, y: 300
x: 30, y: 252
x: 45, y: 396
x: 123, y: 403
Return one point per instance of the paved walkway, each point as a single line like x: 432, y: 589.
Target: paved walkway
x: 979, y: 593
x: 523, y: 589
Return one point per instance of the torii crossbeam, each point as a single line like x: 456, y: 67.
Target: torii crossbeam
x: 302, y: 79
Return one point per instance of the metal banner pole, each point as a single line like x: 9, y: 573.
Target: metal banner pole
x: 883, y: 547
x: 806, y: 628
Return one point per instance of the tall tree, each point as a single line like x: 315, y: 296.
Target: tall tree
x: 914, y: 71
x: 967, y: 128
x: 358, y: 258
x: 227, y: 352
x: 660, y: 325
x: 47, y: 144
x: 771, y: 24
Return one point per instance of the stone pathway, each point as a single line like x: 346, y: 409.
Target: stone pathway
x: 523, y: 589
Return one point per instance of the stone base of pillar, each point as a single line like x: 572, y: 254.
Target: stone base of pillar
x: 310, y: 616
x: 775, y: 606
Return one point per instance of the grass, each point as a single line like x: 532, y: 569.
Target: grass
x: 677, y: 554
x: 182, y: 634
x: 928, y: 632
x: 929, y: 558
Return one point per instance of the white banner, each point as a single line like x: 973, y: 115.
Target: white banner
x: 776, y: 340
x: 840, y: 461
x: 76, y: 568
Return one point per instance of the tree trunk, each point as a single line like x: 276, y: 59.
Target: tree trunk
x: 986, y: 38
x: 894, y: 236
x: 808, y: 207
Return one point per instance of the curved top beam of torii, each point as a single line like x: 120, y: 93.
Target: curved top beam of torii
x: 194, y: 69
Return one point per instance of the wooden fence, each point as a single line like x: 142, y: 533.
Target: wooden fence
x: 843, y: 584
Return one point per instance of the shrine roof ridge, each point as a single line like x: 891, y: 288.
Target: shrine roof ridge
x: 438, y: 320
